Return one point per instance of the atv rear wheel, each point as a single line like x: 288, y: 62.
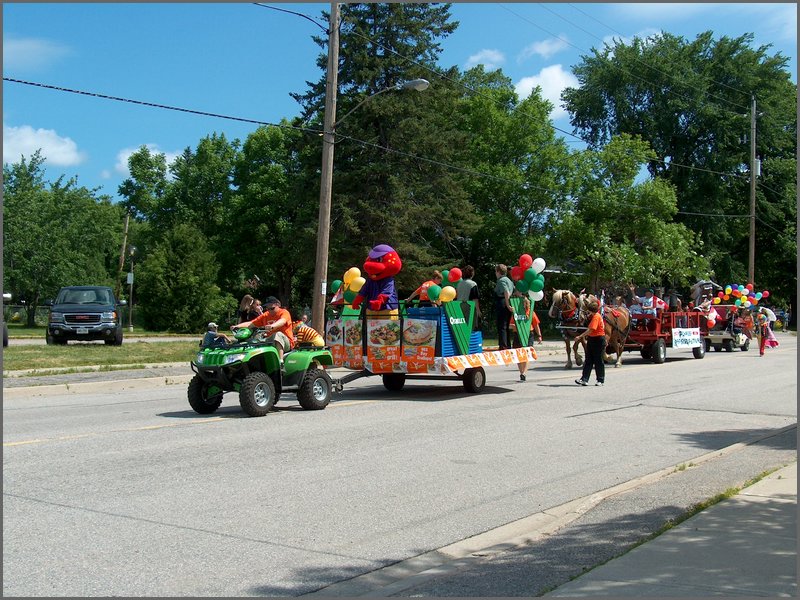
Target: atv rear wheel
x: 257, y: 394
x: 203, y: 397
x: 315, y: 391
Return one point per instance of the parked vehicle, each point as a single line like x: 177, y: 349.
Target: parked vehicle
x: 252, y: 367
x: 84, y: 313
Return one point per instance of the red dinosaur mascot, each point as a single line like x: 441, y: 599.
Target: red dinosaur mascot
x: 382, y: 264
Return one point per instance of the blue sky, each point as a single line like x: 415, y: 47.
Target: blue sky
x: 243, y: 60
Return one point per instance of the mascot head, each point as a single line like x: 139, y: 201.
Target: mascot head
x: 382, y: 262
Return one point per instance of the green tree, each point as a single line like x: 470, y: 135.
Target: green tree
x: 623, y: 231
x: 691, y: 101
x: 176, y: 279
x: 143, y: 192
x: 54, y: 234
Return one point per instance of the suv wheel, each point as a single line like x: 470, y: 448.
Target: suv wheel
x: 117, y: 341
x: 204, y: 398
x: 257, y: 394
x: 315, y: 391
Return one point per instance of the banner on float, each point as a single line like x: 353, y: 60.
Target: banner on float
x: 686, y: 338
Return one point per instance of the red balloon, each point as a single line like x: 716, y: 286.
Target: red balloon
x: 749, y: 286
x: 525, y: 261
x: 517, y: 273
x: 765, y: 294
x: 454, y: 275
x: 720, y: 294
x: 710, y: 324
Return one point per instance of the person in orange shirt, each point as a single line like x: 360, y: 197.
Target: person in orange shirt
x: 536, y: 332
x: 595, y: 335
x: 277, y: 323
x: 422, y: 291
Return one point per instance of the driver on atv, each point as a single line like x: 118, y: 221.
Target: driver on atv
x: 277, y: 323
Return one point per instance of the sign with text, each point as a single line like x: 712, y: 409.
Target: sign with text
x: 419, y: 341
x: 686, y: 338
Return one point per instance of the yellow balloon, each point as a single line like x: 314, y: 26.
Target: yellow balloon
x: 717, y: 300
x: 351, y: 274
x: 357, y: 284
x: 447, y: 294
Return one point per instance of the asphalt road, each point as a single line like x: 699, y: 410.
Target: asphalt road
x: 120, y: 489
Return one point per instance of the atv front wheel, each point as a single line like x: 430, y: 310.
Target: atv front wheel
x: 257, y: 394
x: 315, y: 391
x: 204, y: 398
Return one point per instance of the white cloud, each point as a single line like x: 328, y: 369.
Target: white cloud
x: 105, y: 174
x: 644, y: 34
x: 552, y: 80
x: 31, y: 54
x: 123, y: 155
x: 490, y: 59
x: 25, y: 140
x: 545, y: 48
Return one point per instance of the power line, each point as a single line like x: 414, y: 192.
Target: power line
x: 155, y: 105
x: 291, y: 12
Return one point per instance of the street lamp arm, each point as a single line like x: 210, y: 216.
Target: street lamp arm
x: 415, y: 84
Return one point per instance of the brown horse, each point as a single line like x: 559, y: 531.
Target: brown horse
x: 572, y: 314
x: 568, y: 310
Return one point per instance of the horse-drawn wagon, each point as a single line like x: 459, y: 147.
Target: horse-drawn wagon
x: 651, y: 334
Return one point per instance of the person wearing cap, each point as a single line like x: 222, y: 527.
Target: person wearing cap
x: 213, y: 339
x: 277, y: 323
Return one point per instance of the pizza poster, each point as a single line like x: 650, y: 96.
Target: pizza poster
x: 334, y: 339
x: 353, y: 353
x: 419, y: 341
x: 383, y: 342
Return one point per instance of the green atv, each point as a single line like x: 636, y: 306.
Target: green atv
x: 252, y: 367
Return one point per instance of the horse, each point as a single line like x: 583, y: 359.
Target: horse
x: 572, y: 314
x: 568, y: 310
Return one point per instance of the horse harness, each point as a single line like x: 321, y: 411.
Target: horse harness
x: 570, y: 315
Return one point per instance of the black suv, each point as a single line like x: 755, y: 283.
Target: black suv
x: 85, y: 312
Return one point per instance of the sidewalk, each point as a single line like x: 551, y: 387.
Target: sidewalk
x: 743, y: 546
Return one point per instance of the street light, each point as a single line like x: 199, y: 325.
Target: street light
x: 326, y: 182
x: 131, y: 253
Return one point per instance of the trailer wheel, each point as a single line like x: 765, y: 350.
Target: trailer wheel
x: 746, y: 345
x: 474, y: 380
x: 315, y: 391
x: 727, y: 345
x: 699, y: 351
x: 394, y: 382
x: 257, y: 394
x: 647, y: 352
x: 659, y: 351
x: 204, y: 398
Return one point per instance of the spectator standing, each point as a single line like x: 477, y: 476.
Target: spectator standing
x: 467, y: 289
x: 277, y: 323
x: 422, y: 291
x: 595, y: 346
x: 534, y: 332
x: 502, y: 295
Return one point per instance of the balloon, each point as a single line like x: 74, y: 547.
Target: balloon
x: 765, y: 294
x: 738, y: 302
x: 447, y: 294
x: 536, y: 296
x: 357, y: 284
x: 741, y: 289
x: 433, y: 292
x: 537, y: 285
x: 747, y: 304
x: 759, y: 295
x: 720, y: 294
x: 726, y: 297
x: 736, y: 293
x: 516, y: 273
x: 753, y: 301
x: 335, y: 285
x: 351, y: 274
x: 525, y: 261
x: 539, y: 265
x: 522, y: 286
x: 710, y: 323
x: 530, y: 275
x: 349, y: 296
x: 445, y: 275
x: 728, y: 289
x: 454, y: 275
x: 749, y: 286
x: 717, y: 300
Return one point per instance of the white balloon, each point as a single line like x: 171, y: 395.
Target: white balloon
x: 538, y: 265
x: 536, y: 296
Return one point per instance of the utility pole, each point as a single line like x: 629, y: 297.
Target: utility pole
x: 118, y: 287
x: 326, y: 182
x: 751, y: 263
